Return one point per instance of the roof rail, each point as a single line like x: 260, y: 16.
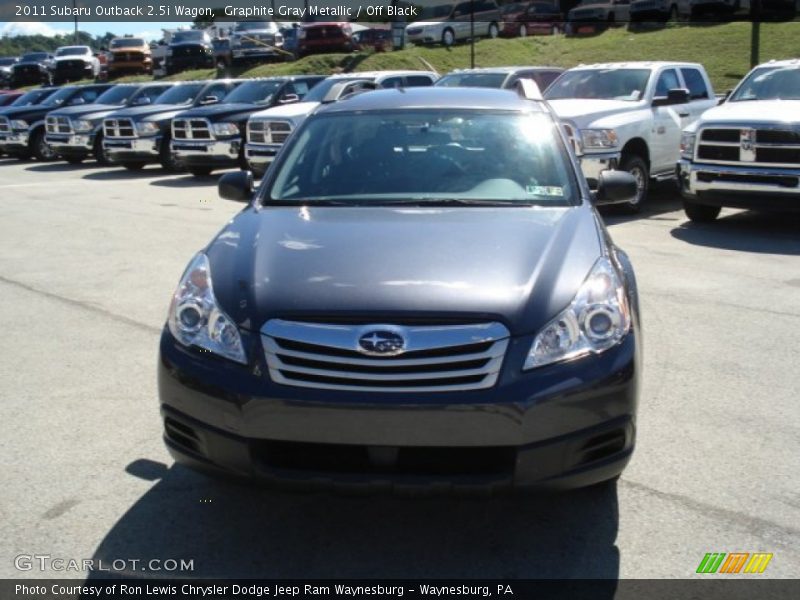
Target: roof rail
x: 528, y: 89
x: 345, y: 89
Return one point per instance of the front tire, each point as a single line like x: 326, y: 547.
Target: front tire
x: 134, y: 166
x: 74, y: 160
x: 39, y: 147
x: 100, y: 154
x: 168, y: 160
x: 494, y: 31
x: 523, y: 31
x: 636, y: 166
x: 448, y: 38
x: 200, y: 171
x: 700, y: 213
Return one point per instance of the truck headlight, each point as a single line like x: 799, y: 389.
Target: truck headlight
x: 195, y: 318
x: 598, y: 138
x: 687, y: 144
x: 147, y: 128
x: 597, y: 319
x: 225, y: 129
x: 81, y: 126
x: 19, y: 125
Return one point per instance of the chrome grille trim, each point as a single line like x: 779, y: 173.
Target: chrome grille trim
x: 5, y: 125
x: 747, y: 145
x: 436, y: 358
x: 191, y: 129
x: 262, y: 131
x: 119, y: 128
x: 57, y: 125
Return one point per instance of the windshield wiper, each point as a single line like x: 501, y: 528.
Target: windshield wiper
x: 309, y: 202
x: 453, y: 202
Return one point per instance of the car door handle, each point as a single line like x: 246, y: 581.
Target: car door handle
x: 683, y: 114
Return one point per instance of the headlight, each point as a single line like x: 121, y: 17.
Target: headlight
x: 597, y: 319
x: 687, y: 144
x: 19, y: 124
x: 598, y: 138
x: 81, y: 125
x: 147, y: 128
x: 195, y: 318
x: 223, y: 129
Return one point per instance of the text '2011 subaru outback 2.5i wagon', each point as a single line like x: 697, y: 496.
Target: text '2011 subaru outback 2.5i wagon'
x: 419, y: 293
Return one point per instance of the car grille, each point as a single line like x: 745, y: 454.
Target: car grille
x: 5, y: 125
x: 436, y: 358
x: 191, y: 129
x: 119, y: 128
x: 129, y: 56
x: 268, y: 132
x: 188, y: 51
x: 749, y: 146
x: 69, y: 65
x: 58, y: 125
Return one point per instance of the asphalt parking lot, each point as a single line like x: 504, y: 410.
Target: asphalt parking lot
x: 89, y: 260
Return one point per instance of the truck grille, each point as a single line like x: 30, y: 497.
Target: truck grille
x: 129, y: 56
x: 119, y: 128
x: 769, y: 146
x: 5, y: 125
x: 268, y: 132
x: 70, y: 65
x: 58, y: 125
x: 191, y: 129
x: 435, y: 358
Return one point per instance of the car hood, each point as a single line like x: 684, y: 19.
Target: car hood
x: 28, y: 64
x: 26, y: 113
x: 219, y: 111
x: 754, y: 111
x: 587, y: 110
x: 85, y: 111
x: 82, y: 57
x: 140, y: 112
x: 520, y: 266
x: 297, y: 109
x: 431, y: 23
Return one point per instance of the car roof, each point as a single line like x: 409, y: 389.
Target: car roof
x: 435, y: 98
x: 641, y: 64
x: 509, y: 69
x: 788, y: 62
x: 377, y: 74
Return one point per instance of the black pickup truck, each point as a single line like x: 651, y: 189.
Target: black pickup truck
x: 22, y: 128
x: 76, y: 132
x: 136, y: 136
x: 212, y: 137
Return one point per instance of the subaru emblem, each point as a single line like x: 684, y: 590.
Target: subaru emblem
x: 381, y: 342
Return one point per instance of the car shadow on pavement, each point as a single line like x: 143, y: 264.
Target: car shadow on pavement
x: 746, y: 231
x: 233, y: 530
x: 662, y: 198
x: 187, y: 181
x: 58, y: 167
x: 114, y: 173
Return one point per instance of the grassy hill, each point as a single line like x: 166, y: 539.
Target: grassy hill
x: 723, y: 49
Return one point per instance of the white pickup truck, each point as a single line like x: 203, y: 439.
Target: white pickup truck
x: 745, y: 153
x: 629, y: 116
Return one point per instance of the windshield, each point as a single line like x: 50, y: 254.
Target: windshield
x: 484, y: 80
x: 769, y: 83
x: 32, y: 97
x: 34, y: 56
x: 180, y: 94
x: 59, y: 97
x: 72, y: 51
x: 425, y: 157
x: 317, y: 93
x: 127, y: 43
x: 435, y: 9
x: 187, y: 36
x: 117, y: 95
x: 254, y: 25
x: 603, y: 84
x: 254, y: 92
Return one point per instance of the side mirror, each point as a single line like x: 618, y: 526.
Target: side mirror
x: 615, y: 187
x: 141, y: 101
x: 77, y: 101
x: 289, y: 98
x: 209, y: 100
x: 674, y: 96
x: 725, y: 97
x: 236, y: 186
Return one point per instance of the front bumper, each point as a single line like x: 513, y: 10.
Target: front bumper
x: 245, y: 53
x: 183, y: 63
x: 133, y: 149
x: 562, y: 426
x: 207, y: 152
x: 14, y: 140
x: 74, y: 74
x: 595, y: 163
x: 261, y: 156
x: 750, y: 187
x: 127, y: 66
x: 76, y: 144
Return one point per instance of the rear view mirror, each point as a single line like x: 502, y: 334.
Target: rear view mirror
x: 143, y: 100
x: 674, y: 96
x: 236, y: 186
x: 615, y: 187
x: 209, y: 100
x: 289, y: 98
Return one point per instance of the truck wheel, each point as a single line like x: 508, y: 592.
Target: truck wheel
x: 134, y: 166
x: 39, y: 147
x: 634, y: 165
x: 448, y: 38
x: 200, y: 171
x: 74, y: 160
x: 523, y: 30
x: 100, y: 154
x: 700, y: 213
x: 168, y: 160
x: 494, y: 31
